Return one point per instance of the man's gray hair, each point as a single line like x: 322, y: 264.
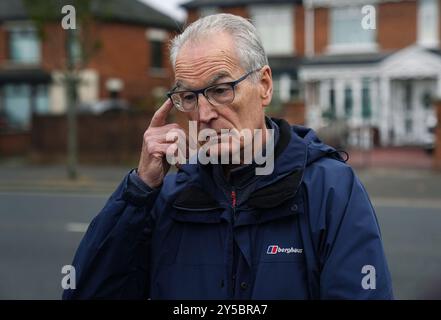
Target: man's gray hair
x: 249, y: 48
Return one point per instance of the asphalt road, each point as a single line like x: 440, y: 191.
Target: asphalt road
x: 39, y: 234
x: 37, y: 238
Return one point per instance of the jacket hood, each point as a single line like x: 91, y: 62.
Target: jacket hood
x: 316, y: 149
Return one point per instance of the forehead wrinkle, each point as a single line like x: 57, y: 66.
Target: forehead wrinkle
x: 203, y: 65
x: 216, y: 77
x: 200, y: 67
x: 211, y: 71
x: 195, y: 55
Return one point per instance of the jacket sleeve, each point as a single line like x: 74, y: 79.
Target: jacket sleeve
x: 112, y: 260
x: 347, y: 237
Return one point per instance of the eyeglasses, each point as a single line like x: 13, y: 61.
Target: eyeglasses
x: 217, y: 95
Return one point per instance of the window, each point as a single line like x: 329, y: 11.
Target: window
x: 347, y: 32
x: 275, y: 25
x: 426, y: 100
x: 74, y: 46
x: 17, y: 105
x: 157, y: 38
x: 330, y: 113
x: 20, y: 99
x: 348, y: 102
x: 285, y: 88
x: 408, y: 94
x: 24, y: 45
x: 156, y: 54
x: 428, y: 23
x: 366, y: 105
x: 276, y: 103
x: 41, y: 99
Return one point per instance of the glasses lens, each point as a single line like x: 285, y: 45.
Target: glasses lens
x: 184, y: 101
x: 220, y: 94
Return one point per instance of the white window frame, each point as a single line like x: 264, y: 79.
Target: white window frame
x: 157, y: 35
x: 339, y: 48
x: 276, y: 11
x: 21, y: 25
x: 432, y: 39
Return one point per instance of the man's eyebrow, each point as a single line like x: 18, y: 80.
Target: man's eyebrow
x: 218, y: 76
x: 180, y: 85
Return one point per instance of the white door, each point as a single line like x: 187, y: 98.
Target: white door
x: 412, y: 111
x: 424, y: 111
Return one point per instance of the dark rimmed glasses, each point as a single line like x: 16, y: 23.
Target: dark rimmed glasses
x: 217, y: 94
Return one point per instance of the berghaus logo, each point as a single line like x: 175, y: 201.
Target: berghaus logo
x: 275, y: 249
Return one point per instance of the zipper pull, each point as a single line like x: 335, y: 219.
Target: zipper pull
x: 233, y: 198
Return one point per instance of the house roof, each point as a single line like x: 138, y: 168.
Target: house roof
x: 413, y: 62
x: 284, y: 64
x: 230, y: 3
x: 36, y: 75
x: 126, y: 11
x: 363, y: 58
x: 345, y: 59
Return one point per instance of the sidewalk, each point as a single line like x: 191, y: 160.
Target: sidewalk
x: 405, y: 158
x: 32, y: 178
x: 402, y: 184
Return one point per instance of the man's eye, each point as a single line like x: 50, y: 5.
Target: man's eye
x: 188, y: 97
x: 220, y: 90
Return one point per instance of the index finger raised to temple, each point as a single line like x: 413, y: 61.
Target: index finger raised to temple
x: 160, y: 116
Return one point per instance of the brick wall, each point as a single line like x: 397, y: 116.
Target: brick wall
x: 321, y: 30
x: 116, y: 138
x: 294, y: 113
x: 396, y: 24
x: 192, y: 15
x: 125, y: 54
x: 3, y: 45
x: 239, y: 11
x: 299, y: 30
x: 14, y: 144
x: 53, y: 51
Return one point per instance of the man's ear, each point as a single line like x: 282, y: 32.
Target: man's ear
x: 266, y: 85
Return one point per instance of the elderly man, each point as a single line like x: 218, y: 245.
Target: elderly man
x: 304, y: 230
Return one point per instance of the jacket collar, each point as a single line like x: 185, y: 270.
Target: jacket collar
x: 262, y: 191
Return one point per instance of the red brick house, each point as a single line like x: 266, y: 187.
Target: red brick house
x: 132, y: 59
x: 382, y: 79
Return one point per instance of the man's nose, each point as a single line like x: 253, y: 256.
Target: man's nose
x: 207, y: 112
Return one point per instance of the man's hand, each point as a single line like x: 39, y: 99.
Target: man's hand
x: 153, y: 165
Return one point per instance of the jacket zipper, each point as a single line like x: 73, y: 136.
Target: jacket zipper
x: 233, y: 200
x: 233, y: 273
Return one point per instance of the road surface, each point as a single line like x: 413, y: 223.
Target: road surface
x: 39, y: 233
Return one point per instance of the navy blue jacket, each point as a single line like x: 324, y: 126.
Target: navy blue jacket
x: 306, y: 231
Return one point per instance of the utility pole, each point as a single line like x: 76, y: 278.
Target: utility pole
x: 72, y: 99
